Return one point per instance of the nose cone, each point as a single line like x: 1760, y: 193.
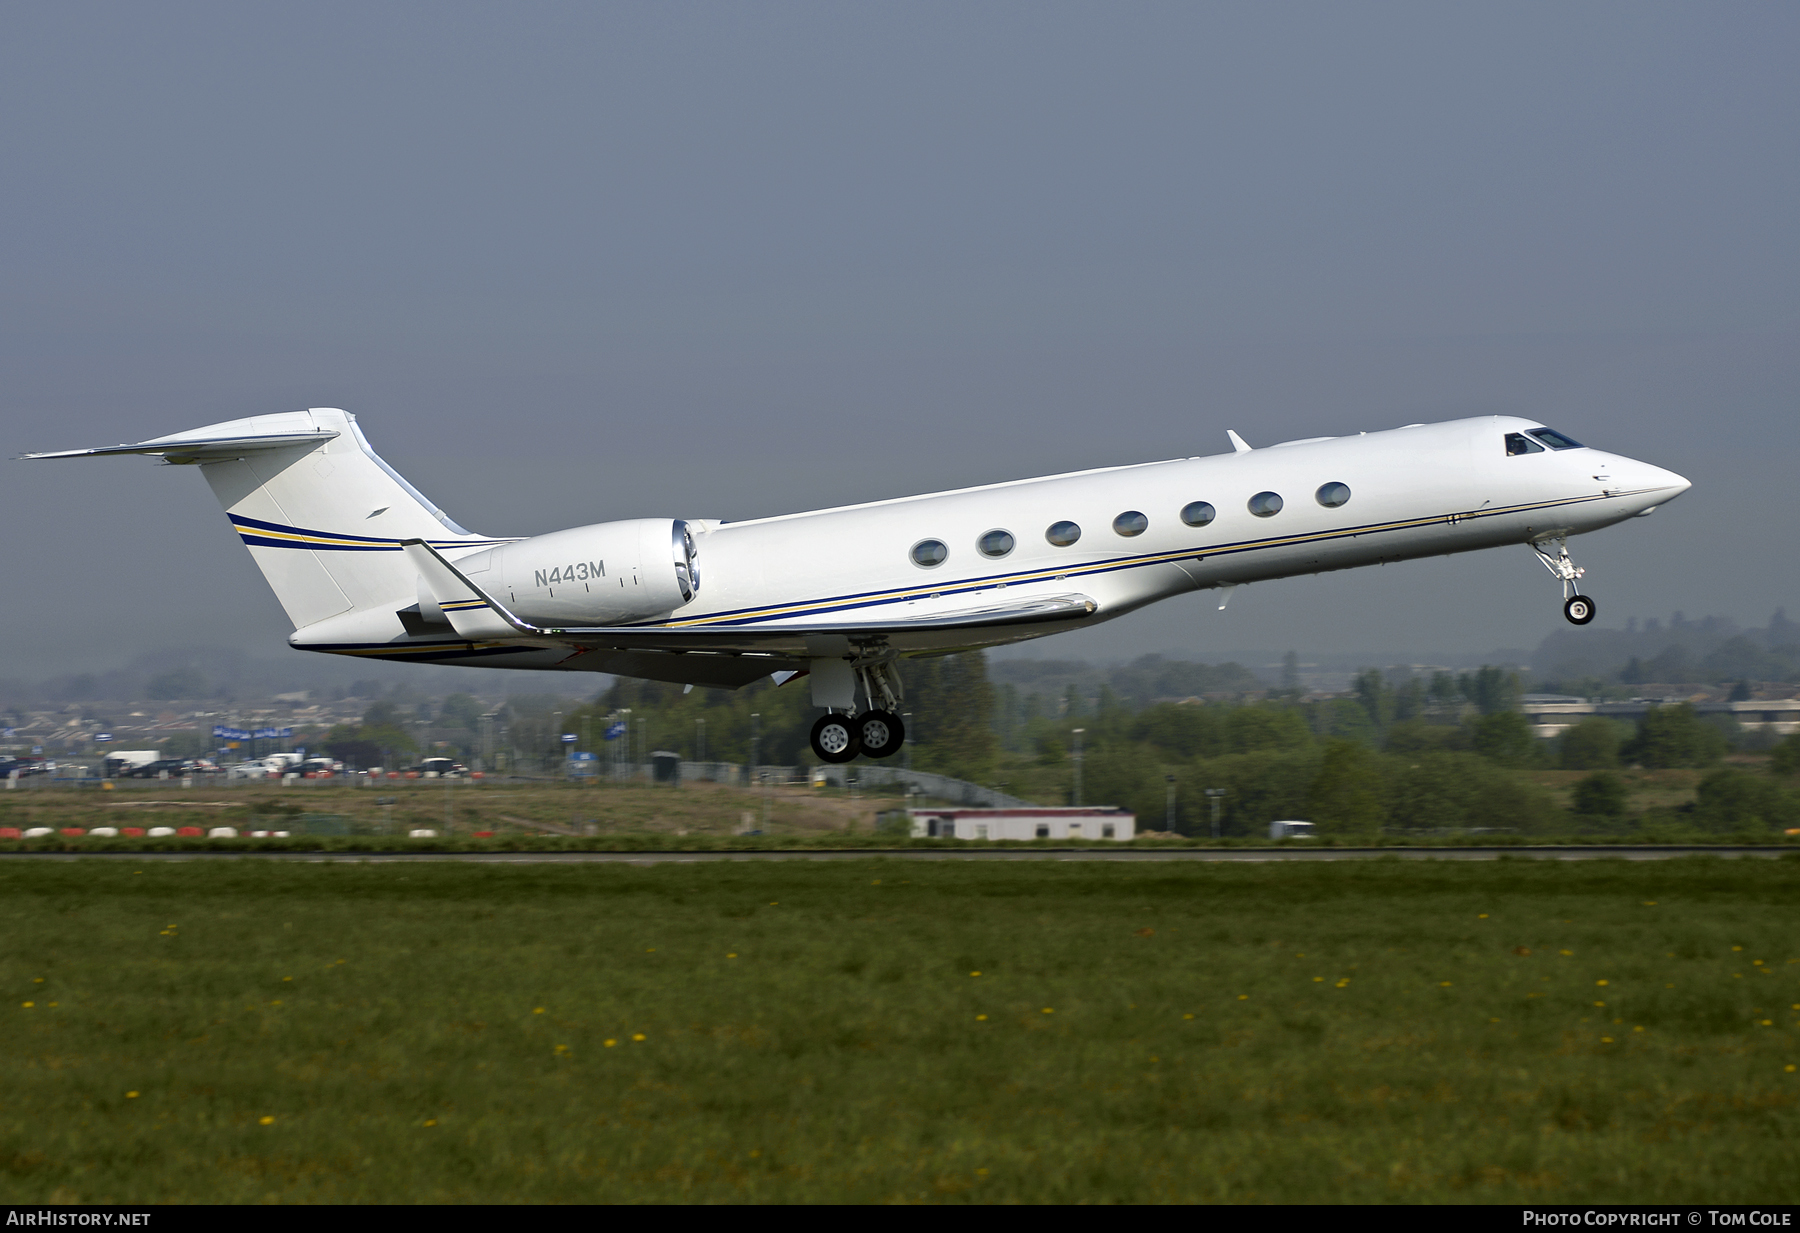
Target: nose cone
x: 1649, y: 487
x: 1667, y: 484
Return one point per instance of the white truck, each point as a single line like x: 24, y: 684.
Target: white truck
x: 122, y: 760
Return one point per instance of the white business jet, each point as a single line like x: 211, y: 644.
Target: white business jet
x: 366, y: 566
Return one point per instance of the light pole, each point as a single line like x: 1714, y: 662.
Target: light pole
x: 1217, y: 797
x: 755, y: 736
x: 1169, y: 812
x: 1077, y: 735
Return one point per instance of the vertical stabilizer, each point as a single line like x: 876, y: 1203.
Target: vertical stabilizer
x: 321, y: 513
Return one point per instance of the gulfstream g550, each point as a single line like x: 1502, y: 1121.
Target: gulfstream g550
x: 367, y: 566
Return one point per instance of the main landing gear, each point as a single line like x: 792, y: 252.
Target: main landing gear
x: 876, y: 733
x: 1578, y: 608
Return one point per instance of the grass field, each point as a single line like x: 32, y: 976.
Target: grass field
x: 883, y: 1030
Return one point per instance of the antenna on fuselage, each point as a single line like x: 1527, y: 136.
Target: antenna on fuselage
x: 1238, y: 444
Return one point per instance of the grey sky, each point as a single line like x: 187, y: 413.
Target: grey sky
x: 577, y: 262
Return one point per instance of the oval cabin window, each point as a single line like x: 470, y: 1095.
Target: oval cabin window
x: 930, y: 552
x: 1062, y: 534
x: 1131, y: 523
x: 1333, y: 495
x: 1198, y: 514
x: 1265, y: 504
x: 995, y: 543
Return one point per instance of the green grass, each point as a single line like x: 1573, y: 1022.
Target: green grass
x: 1367, y: 1031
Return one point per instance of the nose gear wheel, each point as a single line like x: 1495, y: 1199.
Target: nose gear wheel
x: 1579, y: 609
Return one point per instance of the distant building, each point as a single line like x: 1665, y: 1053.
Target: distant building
x: 1552, y: 714
x: 1030, y: 822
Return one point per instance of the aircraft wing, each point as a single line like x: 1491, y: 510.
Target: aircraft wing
x: 476, y: 615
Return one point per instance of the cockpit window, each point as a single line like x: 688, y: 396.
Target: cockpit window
x: 1555, y: 440
x: 1519, y: 443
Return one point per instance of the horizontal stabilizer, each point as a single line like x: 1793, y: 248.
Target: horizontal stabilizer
x: 183, y: 448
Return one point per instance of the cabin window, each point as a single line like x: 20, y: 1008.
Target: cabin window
x: 1333, y: 495
x: 1062, y: 534
x: 1198, y: 513
x: 1265, y: 504
x: 995, y: 543
x: 1131, y: 523
x: 1518, y: 443
x: 1555, y: 440
x: 929, y: 553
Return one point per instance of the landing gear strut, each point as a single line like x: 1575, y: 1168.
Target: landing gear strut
x: 1578, y: 608
x: 877, y: 732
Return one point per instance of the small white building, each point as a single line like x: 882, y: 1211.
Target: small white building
x: 1027, y: 822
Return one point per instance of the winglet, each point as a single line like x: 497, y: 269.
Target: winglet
x: 469, y: 609
x: 1238, y: 444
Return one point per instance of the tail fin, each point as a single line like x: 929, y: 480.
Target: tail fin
x: 321, y: 513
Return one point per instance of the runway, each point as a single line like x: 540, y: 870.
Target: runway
x: 1240, y: 855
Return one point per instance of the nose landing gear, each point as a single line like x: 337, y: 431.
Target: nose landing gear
x: 1578, y: 608
x: 877, y: 732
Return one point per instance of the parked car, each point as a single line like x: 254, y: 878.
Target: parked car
x: 443, y: 768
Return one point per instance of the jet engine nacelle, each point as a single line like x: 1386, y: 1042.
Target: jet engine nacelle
x: 611, y: 573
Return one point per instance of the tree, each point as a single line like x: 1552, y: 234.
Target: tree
x: 1675, y: 736
x: 1504, y: 737
x: 382, y: 714
x: 1376, y: 698
x: 1266, y: 727
x: 952, y: 706
x: 1785, y: 760
x: 1601, y: 794
x: 1461, y: 790
x: 460, y: 711
x: 1591, y: 745
x: 1732, y: 800
x: 1182, y: 730
x: 1491, y: 689
x: 1345, y: 795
